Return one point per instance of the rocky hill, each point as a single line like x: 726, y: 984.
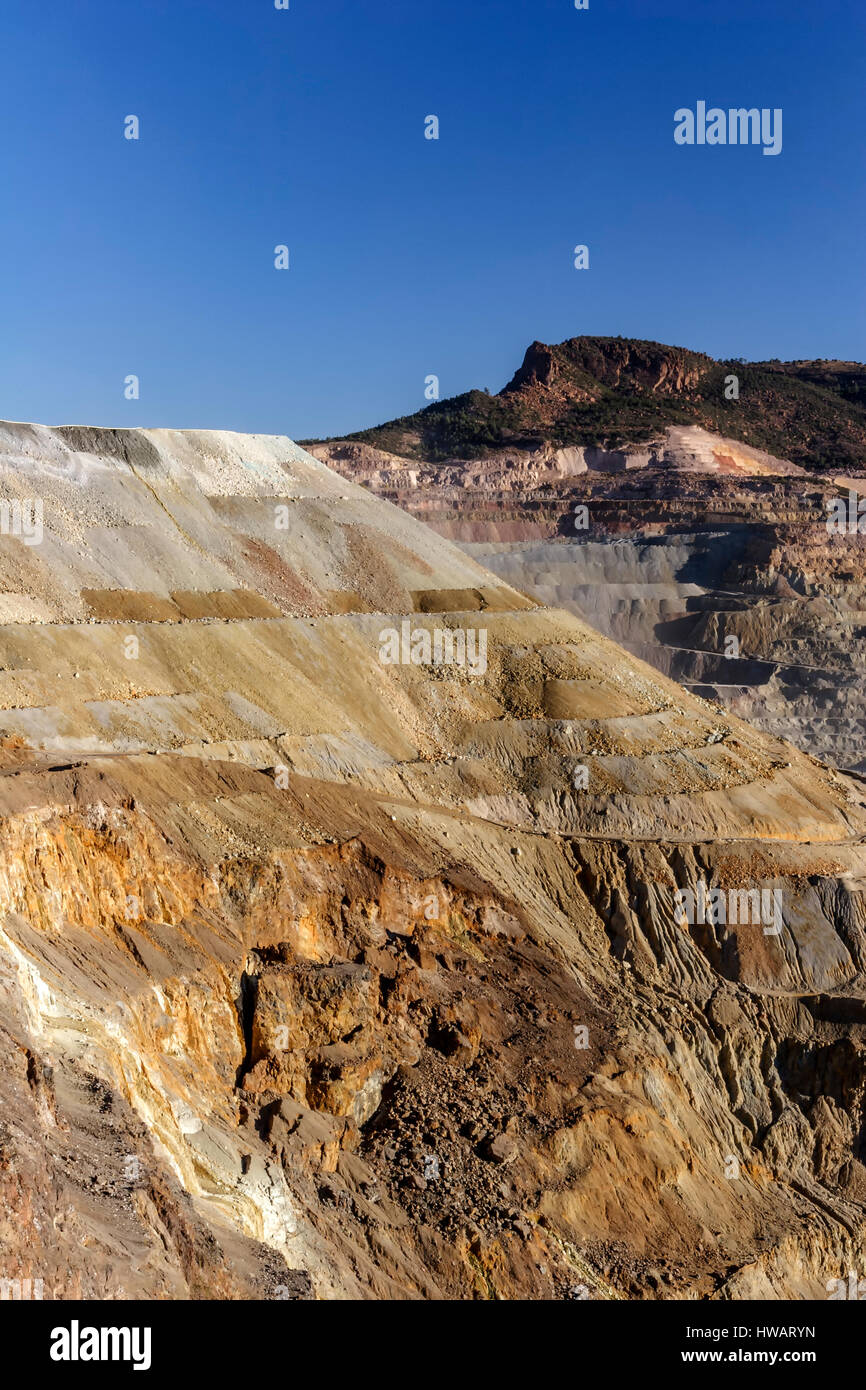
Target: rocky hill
x: 329, y: 973
x: 612, y: 393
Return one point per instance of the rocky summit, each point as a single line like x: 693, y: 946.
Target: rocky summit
x: 330, y: 974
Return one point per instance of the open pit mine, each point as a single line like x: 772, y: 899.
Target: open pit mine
x: 324, y: 976
x: 710, y: 517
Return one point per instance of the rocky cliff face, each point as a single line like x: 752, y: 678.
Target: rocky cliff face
x: 323, y: 975
x: 611, y: 363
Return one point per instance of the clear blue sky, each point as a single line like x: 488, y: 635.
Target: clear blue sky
x: 408, y: 256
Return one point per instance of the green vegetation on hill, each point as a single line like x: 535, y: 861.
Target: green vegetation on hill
x: 612, y: 391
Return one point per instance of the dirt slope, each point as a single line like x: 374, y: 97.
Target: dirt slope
x: 322, y: 976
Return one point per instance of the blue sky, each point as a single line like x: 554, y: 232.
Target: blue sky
x: 408, y: 256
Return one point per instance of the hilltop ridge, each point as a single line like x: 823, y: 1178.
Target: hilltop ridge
x: 610, y: 393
